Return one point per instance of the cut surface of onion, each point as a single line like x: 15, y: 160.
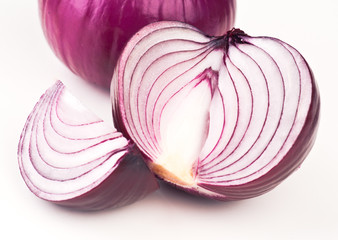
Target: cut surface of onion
x: 69, y: 156
x: 226, y: 117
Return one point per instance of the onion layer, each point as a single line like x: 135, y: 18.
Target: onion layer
x: 225, y: 117
x: 88, y: 36
x: 69, y: 156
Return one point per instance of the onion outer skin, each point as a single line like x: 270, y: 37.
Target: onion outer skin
x: 68, y: 128
x: 294, y: 157
x: 88, y: 36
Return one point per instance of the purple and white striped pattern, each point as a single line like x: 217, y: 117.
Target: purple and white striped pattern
x: 66, y: 154
x: 263, y: 103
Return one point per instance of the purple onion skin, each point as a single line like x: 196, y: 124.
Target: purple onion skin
x: 129, y: 183
x: 88, y: 36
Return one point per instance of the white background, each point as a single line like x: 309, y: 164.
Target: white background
x: 305, y: 206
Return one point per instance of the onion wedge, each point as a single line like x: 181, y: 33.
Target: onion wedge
x: 69, y: 156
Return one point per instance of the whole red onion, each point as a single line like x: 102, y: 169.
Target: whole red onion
x: 89, y: 35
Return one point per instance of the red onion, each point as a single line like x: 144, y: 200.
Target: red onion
x: 225, y: 117
x: 88, y: 36
x: 69, y: 156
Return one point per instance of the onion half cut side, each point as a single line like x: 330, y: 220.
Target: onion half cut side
x: 67, y: 155
x: 225, y: 117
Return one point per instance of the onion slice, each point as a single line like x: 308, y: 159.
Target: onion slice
x: 69, y: 156
x: 225, y: 117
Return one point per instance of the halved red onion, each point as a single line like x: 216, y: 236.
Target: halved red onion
x: 88, y: 36
x: 226, y: 117
x: 69, y: 156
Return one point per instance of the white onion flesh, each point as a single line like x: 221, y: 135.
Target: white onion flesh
x: 213, y: 114
x: 66, y: 151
